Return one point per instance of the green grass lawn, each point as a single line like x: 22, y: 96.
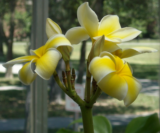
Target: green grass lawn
x: 13, y: 105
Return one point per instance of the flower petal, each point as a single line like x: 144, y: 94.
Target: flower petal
x: 114, y: 40
x: 135, y: 51
x: 20, y: 60
x: 88, y: 19
x: 125, y: 71
x: 76, y: 35
x: 110, y: 46
x: 61, y: 43
x: 114, y: 85
x: 39, y: 52
x: 26, y: 75
x: 52, y: 28
x: 46, y: 65
x: 134, y: 87
x: 57, y: 41
x: 100, y: 67
x: 108, y: 24
x: 125, y: 34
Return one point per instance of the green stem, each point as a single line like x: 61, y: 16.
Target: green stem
x: 68, y: 76
x: 95, y: 96
x: 71, y: 93
x: 87, y: 119
x: 55, y: 75
x: 87, y: 86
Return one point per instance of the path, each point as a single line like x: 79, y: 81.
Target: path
x: 61, y: 122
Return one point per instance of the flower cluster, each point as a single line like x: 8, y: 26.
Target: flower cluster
x: 112, y: 74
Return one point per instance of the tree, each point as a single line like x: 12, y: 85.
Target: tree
x: 135, y: 13
x: 16, y: 24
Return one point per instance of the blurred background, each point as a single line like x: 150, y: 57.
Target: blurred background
x: 15, y: 41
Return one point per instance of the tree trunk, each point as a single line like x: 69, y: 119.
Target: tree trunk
x: 2, y: 36
x: 10, y: 40
x: 82, y: 63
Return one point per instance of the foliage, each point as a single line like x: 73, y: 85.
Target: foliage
x: 147, y: 124
x: 138, y: 14
x: 22, y: 20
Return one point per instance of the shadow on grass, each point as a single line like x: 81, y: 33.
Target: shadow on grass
x: 12, y: 104
x: 12, y: 131
x: 145, y: 71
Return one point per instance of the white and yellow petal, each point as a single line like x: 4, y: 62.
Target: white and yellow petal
x: 58, y: 41
x: 101, y: 66
x: 125, y: 34
x: 134, y: 88
x: 110, y: 46
x: 125, y: 70
x: 114, y: 85
x: 88, y: 19
x: 38, y: 52
x: 136, y: 51
x: 26, y: 75
x: 108, y: 24
x: 52, y: 28
x: 46, y: 65
x: 20, y: 60
x: 76, y: 35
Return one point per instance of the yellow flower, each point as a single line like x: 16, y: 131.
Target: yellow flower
x: 45, y: 58
x: 114, y: 77
x: 109, y: 26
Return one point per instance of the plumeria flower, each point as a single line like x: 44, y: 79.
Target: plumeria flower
x: 109, y: 26
x: 45, y: 59
x: 114, y: 77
